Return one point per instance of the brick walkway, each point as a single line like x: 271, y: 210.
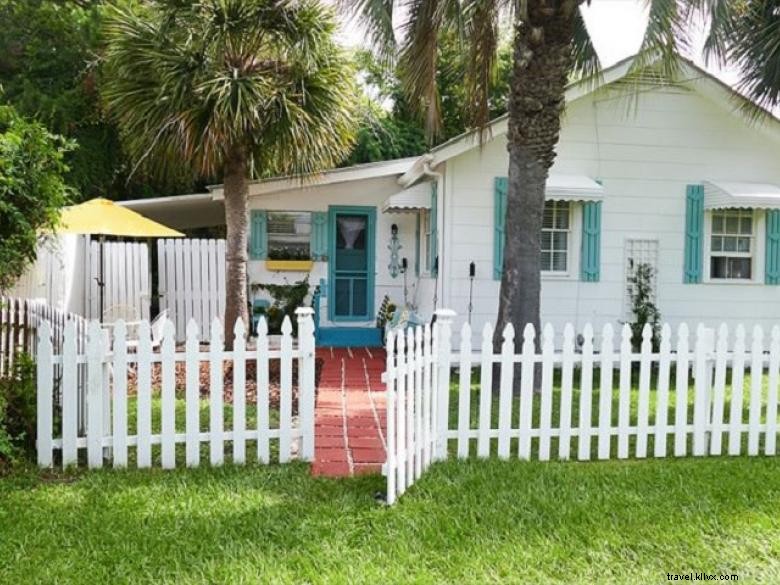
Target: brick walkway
x: 350, y: 413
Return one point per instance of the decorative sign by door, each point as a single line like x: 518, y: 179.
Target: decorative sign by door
x: 394, y: 246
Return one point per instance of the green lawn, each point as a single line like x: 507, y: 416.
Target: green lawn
x: 475, y: 522
x: 464, y: 522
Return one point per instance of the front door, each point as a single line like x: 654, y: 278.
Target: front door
x: 351, y: 263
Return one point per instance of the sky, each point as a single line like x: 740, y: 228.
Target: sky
x: 616, y: 27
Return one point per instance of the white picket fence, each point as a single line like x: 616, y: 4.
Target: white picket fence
x: 691, y: 397
x: 109, y: 364
x: 191, y: 277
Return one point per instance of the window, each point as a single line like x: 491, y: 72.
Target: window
x: 289, y: 235
x: 556, y: 226
x: 731, y: 244
x: 425, y: 241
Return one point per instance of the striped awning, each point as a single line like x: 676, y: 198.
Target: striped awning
x: 572, y: 188
x: 409, y: 200
x: 725, y: 195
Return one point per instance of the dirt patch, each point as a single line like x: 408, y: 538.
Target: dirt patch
x: 204, y: 379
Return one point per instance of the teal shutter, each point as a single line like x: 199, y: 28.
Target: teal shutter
x: 499, y: 220
x: 417, y: 246
x: 772, y: 271
x: 694, y: 234
x: 319, y: 235
x: 434, y: 250
x: 590, y: 258
x: 258, y: 234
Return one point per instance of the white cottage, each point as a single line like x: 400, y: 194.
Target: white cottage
x: 672, y: 176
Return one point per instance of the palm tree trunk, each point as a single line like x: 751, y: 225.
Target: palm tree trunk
x: 236, y: 190
x: 542, y: 62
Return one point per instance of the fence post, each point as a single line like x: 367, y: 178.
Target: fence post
x: 95, y: 428
x: 702, y: 389
x: 443, y: 332
x: 44, y: 405
x: 389, y: 380
x: 306, y: 365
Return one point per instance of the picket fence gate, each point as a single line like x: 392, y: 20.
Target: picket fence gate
x: 191, y: 282
x: 726, y: 408
x: 109, y: 364
x: 126, y: 281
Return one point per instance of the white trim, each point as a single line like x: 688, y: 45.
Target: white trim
x: 328, y: 177
x: 572, y: 272
x: 725, y: 195
x: 757, y: 254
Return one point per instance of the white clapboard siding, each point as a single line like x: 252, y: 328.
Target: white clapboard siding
x: 680, y: 406
x: 110, y: 364
x: 191, y: 282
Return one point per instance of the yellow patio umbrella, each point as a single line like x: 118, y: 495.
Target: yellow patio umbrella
x: 102, y: 217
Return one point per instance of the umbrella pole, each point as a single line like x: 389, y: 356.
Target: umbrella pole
x: 101, y: 282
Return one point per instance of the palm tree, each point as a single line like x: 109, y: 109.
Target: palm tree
x: 237, y: 88
x: 551, y: 46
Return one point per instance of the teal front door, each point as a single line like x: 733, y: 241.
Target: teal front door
x: 352, y: 254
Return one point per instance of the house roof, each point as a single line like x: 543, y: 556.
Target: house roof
x: 410, y: 170
x: 692, y: 75
x: 340, y: 175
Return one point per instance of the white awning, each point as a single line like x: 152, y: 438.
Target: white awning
x: 572, y: 188
x: 409, y: 200
x: 722, y: 195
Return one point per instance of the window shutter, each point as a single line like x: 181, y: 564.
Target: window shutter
x: 258, y: 234
x: 772, y: 271
x: 417, y: 246
x: 319, y: 235
x: 694, y: 234
x: 590, y: 259
x: 499, y: 221
x: 434, y: 251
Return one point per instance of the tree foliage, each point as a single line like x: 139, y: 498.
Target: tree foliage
x: 50, y: 71
x: 237, y: 89
x: 32, y: 190
x: 398, y: 131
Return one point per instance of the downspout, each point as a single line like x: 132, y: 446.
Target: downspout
x: 428, y: 172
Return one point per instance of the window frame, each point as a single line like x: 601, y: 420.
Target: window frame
x: 574, y: 235
x: 757, y: 236
x: 270, y: 234
x: 425, y: 242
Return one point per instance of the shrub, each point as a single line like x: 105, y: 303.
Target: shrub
x: 17, y: 411
x: 643, y: 305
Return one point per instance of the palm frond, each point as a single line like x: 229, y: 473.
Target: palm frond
x: 193, y: 81
x: 586, y: 65
x: 418, y: 60
x: 481, y: 38
x: 754, y: 47
x: 376, y: 17
x: 666, y: 37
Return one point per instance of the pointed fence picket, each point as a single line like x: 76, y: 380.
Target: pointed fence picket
x: 680, y: 394
x: 173, y: 437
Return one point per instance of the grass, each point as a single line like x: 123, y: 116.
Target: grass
x: 472, y: 522
x: 478, y: 521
